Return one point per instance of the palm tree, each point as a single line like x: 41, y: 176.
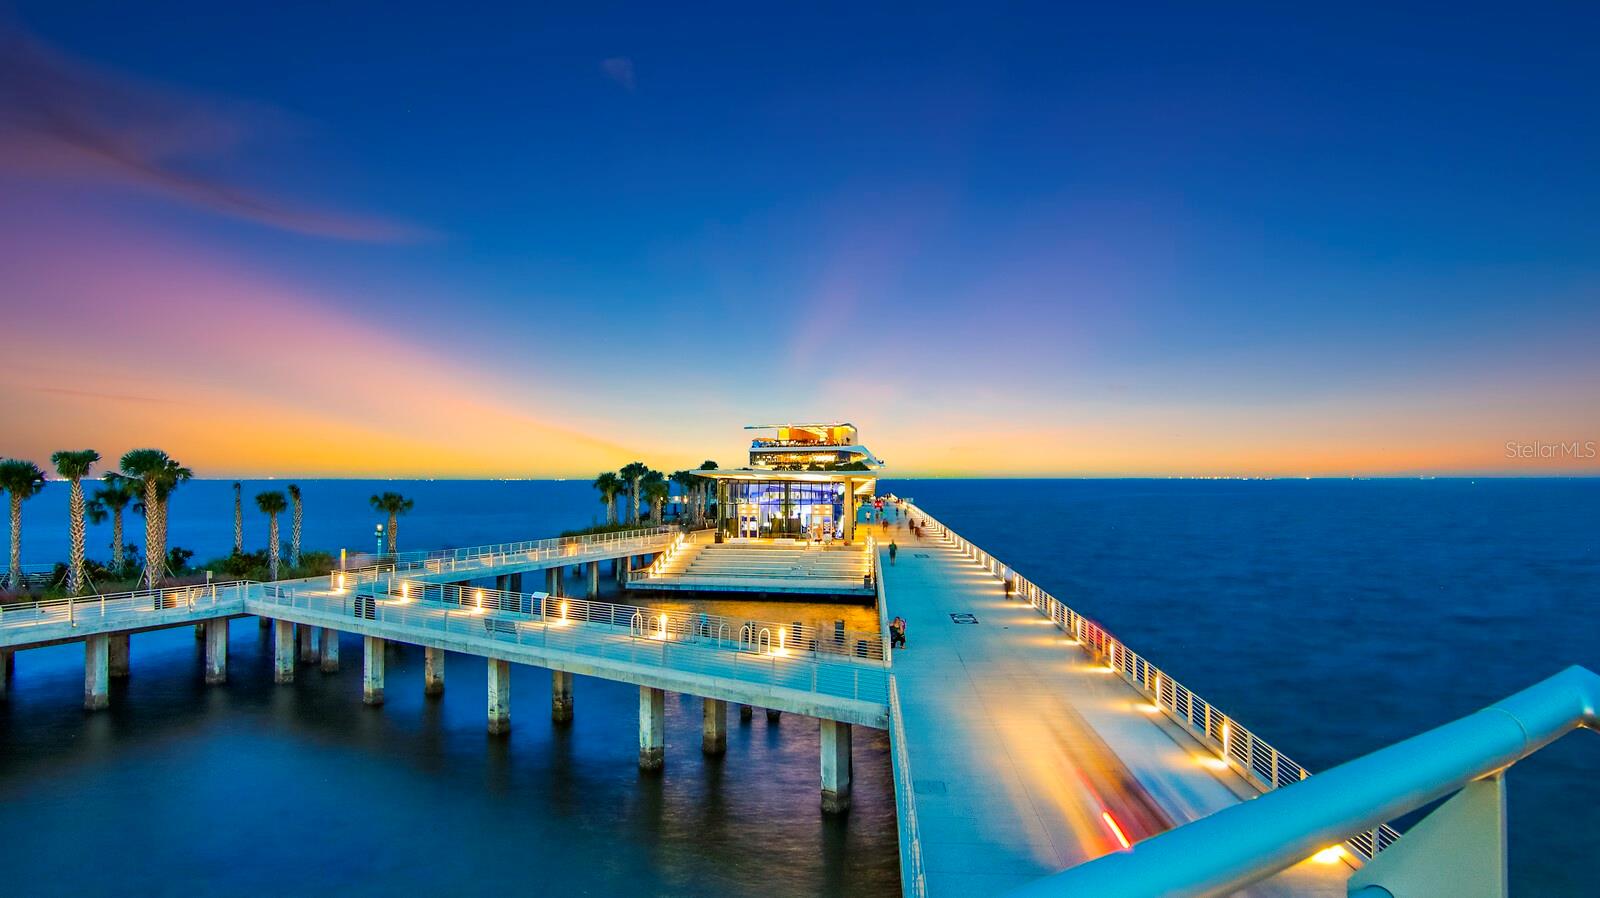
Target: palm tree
x: 394, y: 505
x: 238, y: 518
x: 656, y: 490
x: 74, y: 466
x: 294, y: 527
x: 113, y: 497
x: 609, y: 485
x: 705, y: 489
x: 154, y: 474
x: 272, y: 504
x: 633, y: 472
x: 686, y: 487
x: 23, y: 480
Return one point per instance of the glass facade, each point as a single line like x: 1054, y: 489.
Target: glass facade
x: 783, y: 508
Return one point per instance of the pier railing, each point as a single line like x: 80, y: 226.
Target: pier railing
x: 913, y: 878
x: 557, y: 548
x: 1253, y: 758
x: 686, y: 643
x: 124, y: 609
x: 794, y: 639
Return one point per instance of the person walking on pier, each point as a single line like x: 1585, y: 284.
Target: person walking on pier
x: 893, y: 551
x: 897, y: 633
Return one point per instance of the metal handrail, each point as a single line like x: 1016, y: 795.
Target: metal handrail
x: 1252, y: 840
x: 130, y: 603
x: 913, y: 878
x: 541, y: 625
x: 1253, y: 758
x: 796, y: 640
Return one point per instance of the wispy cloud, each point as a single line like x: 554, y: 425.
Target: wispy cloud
x: 65, y: 119
x: 619, y: 69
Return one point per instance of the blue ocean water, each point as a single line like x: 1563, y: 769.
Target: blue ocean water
x: 1332, y: 617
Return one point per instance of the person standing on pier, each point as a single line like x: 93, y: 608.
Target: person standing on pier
x: 893, y: 550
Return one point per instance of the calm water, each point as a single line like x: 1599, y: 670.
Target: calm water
x: 1332, y: 616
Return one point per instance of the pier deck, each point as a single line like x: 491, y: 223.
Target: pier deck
x: 1009, y: 730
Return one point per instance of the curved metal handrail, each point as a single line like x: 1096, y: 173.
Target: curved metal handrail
x: 1252, y: 840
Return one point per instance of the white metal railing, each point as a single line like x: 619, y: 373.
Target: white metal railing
x: 1253, y: 758
x: 566, y: 548
x: 682, y: 643
x: 663, y: 558
x: 1247, y: 842
x: 793, y: 639
x: 913, y: 878
x: 110, y: 610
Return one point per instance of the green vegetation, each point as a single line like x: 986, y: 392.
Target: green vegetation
x: 22, y: 480
x: 394, y: 505
x: 154, y: 475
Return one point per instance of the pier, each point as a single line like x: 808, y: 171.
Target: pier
x: 1033, y: 753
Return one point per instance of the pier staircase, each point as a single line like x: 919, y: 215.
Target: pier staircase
x: 770, y: 566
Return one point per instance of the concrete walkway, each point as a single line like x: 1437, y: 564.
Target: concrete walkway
x: 1020, y: 748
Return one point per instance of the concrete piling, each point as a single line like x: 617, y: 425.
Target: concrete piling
x: 330, y: 650
x: 372, y: 670
x: 432, y: 671
x: 836, y: 767
x: 217, y: 650
x: 8, y: 670
x: 499, y: 696
x: 746, y: 713
x: 773, y: 715
x: 96, y: 673
x: 560, y: 696
x: 308, y: 650
x: 714, y: 727
x: 282, y: 652
x: 594, y: 580
x: 117, y: 649
x: 652, y: 728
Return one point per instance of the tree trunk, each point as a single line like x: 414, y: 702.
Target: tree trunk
x: 155, y: 555
x: 272, y: 546
x: 238, y: 521
x: 294, y: 536
x: 116, y: 538
x: 394, y: 531
x: 75, y: 565
x: 16, y: 542
x: 611, y: 509
x: 634, y: 492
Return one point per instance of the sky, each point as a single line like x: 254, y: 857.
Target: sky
x: 402, y: 240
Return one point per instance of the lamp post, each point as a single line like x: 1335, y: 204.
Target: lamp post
x: 377, y: 534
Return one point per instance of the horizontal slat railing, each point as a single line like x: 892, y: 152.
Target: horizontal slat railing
x: 685, y: 643
x: 126, y: 609
x: 1255, y: 760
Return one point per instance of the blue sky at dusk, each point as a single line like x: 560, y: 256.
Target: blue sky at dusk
x: 530, y: 242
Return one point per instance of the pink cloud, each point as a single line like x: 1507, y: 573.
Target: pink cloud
x: 61, y: 118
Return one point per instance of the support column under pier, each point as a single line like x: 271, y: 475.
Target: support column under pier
x: 714, y: 727
x: 499, y: 696
x: 372, y: 669
x: 217, y: 650
x: 117, y: 655
x: 560, y: 696
x: 282, y: 651
x: 514, y: 583
x: 96, y: 676
x: 773, y: 715
x: 746, y: 713
x: 432, y: 671
x: 308, y: 652
x: 8, y: 669
x: 329, y: 650
x: 652, y: 728
x: 836, y: 767
x: 552, y: 581
x: 594, y: 580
